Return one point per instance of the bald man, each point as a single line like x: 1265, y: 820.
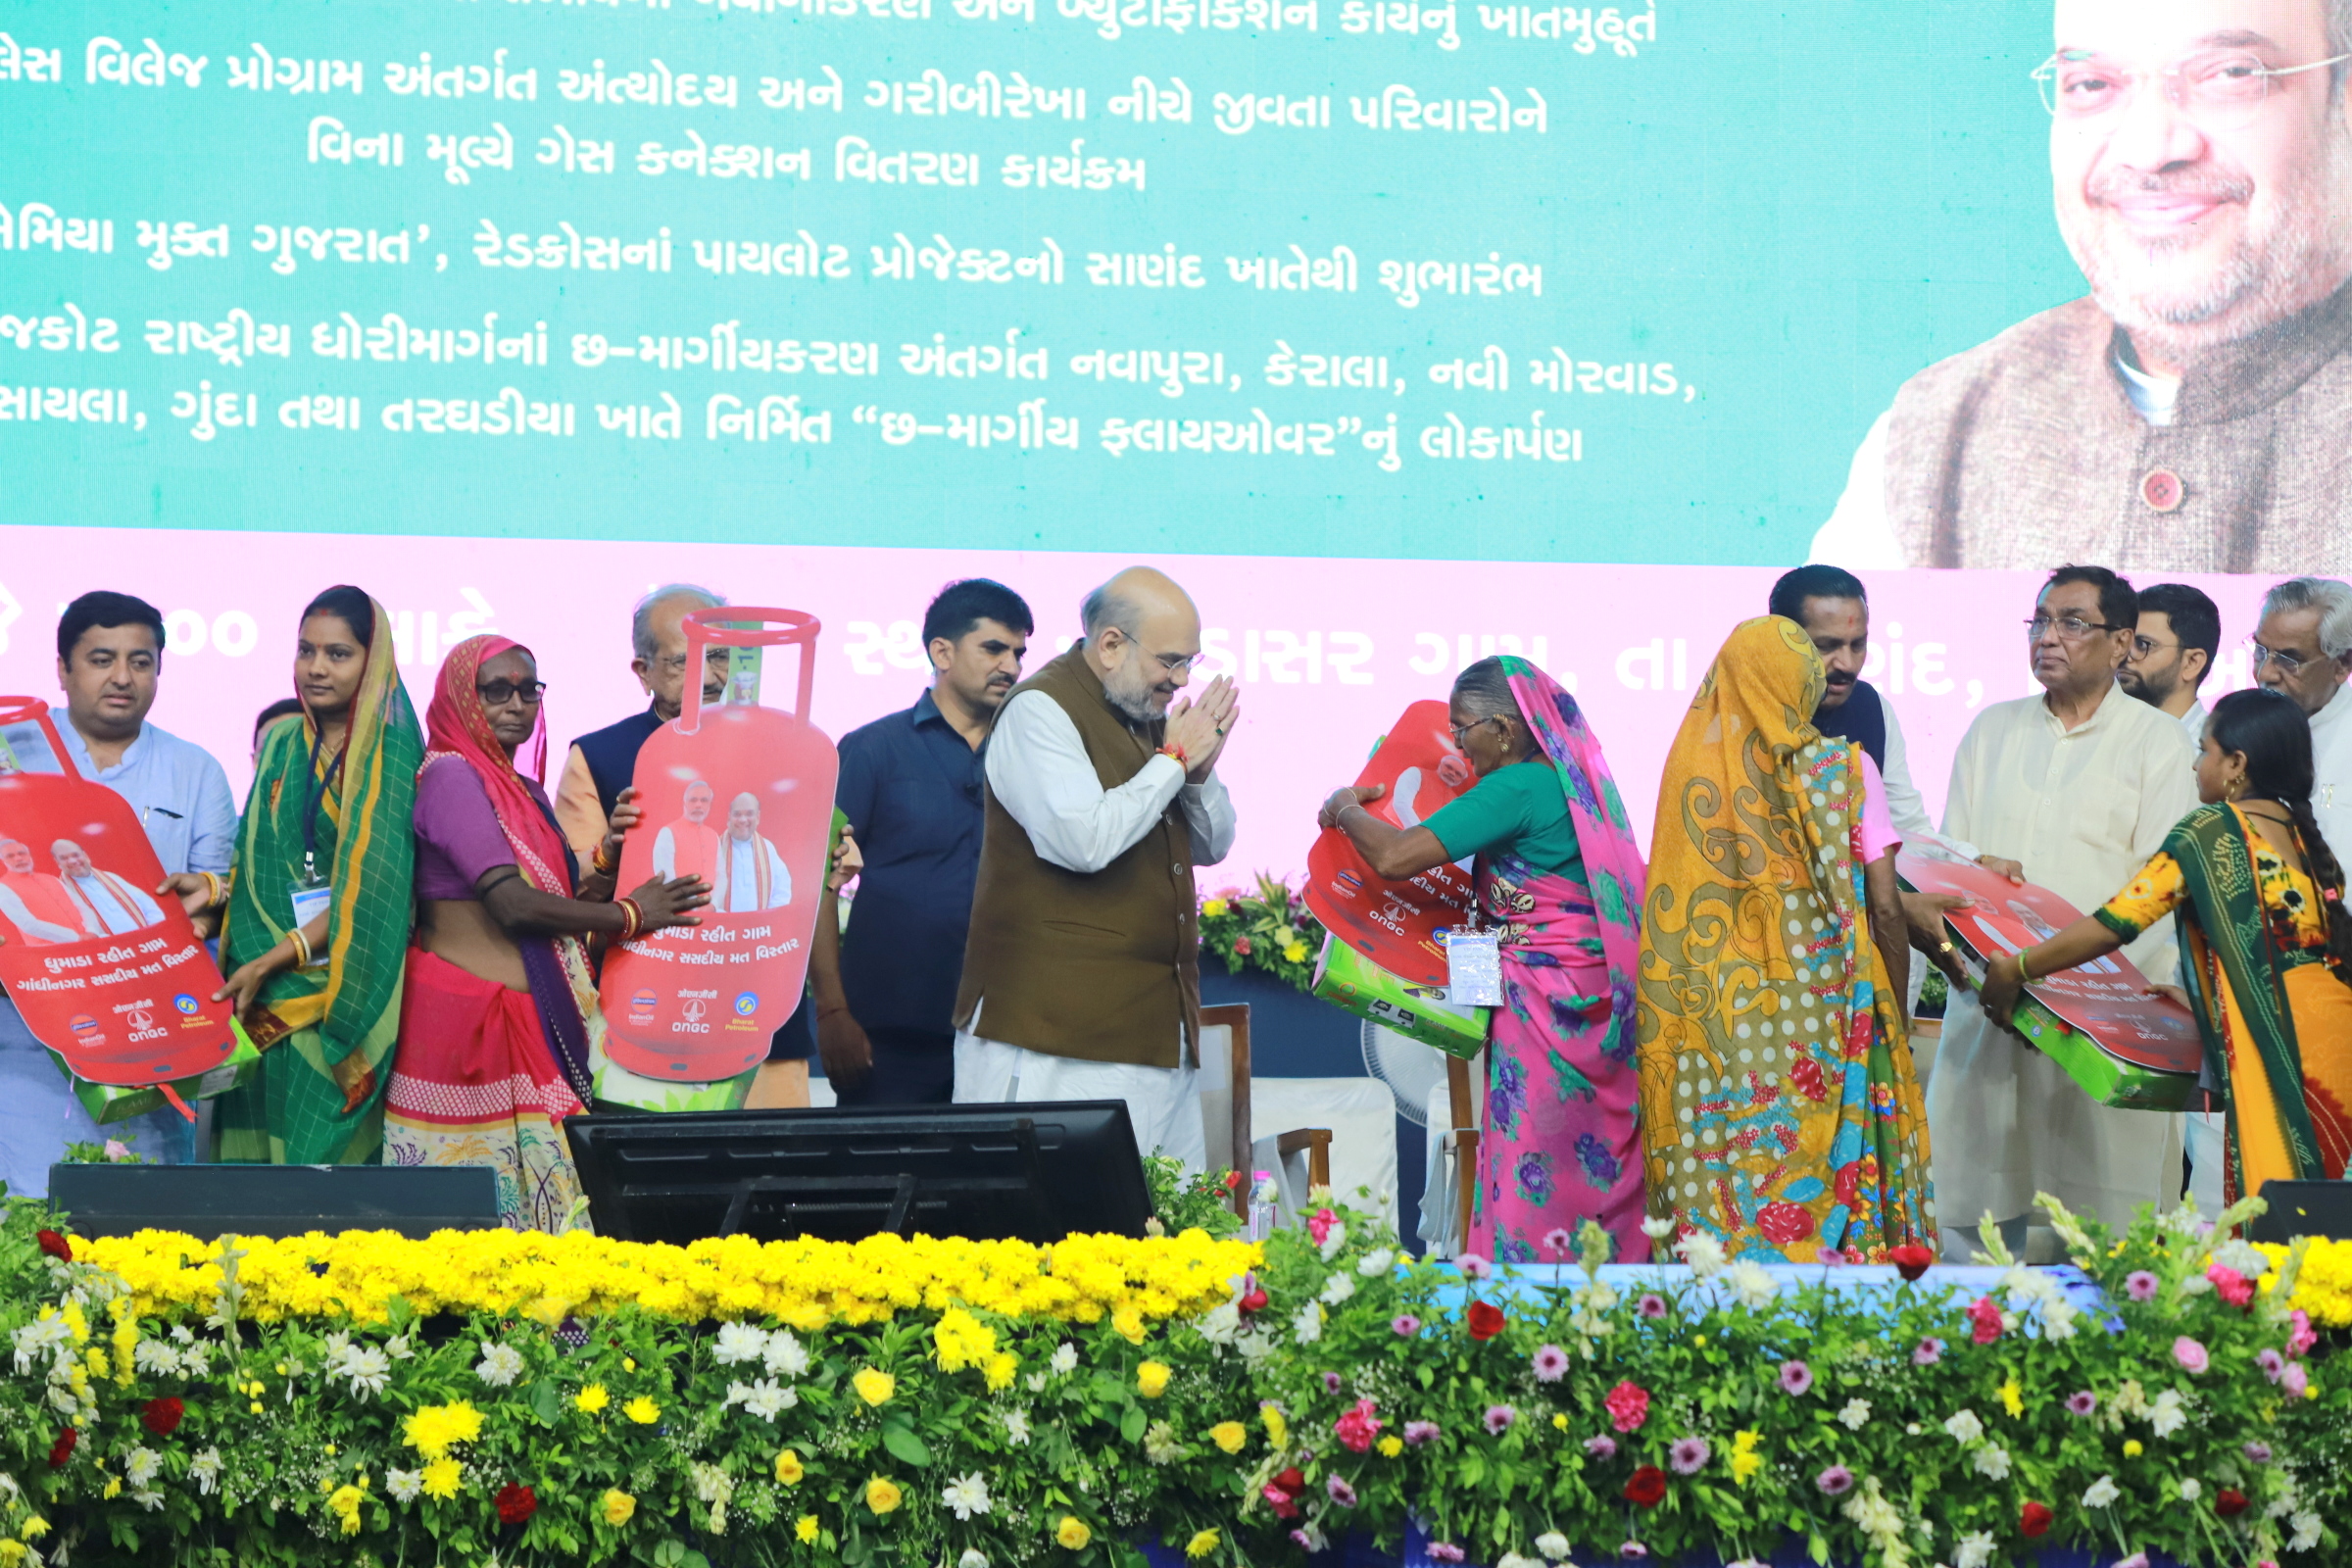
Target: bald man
x: 1081, y: 976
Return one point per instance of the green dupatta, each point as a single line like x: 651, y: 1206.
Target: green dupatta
x: 327, y: 1033
x: 2217, y: 872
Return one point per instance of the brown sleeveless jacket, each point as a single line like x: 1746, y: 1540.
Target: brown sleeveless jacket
x: 2026, y: 453
x: 1103, y: 967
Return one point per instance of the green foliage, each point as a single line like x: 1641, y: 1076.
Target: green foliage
x: 1269, y: 929
x: 1197, y: 1201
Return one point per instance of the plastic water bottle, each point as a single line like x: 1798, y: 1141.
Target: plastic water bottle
x: 1263, y: 1195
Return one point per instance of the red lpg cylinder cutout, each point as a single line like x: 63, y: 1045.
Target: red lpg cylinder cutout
x: 741, y: 796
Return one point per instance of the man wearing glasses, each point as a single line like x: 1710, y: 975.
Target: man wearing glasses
x: 2073, y: 791
x: 2172, y: 653
x: 2303, y: 647
x: 1081, y: 975
x: 2194, y: 414
x: 600, y: 764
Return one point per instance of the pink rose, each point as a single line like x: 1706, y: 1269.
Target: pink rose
x: 2189, y: 1354
x: 1319, y: 1224
x: 2234, y: 1288
x: 2301, y: 1337
x: 1358, y: 1427
x: 1628, y: 1406
x: 1984, y: 1319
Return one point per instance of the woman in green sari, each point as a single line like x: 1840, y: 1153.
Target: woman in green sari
x: 320, y: 907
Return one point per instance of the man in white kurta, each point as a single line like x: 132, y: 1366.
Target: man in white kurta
x: 751, y: 874
x: 2303, y: 649
x: 2078, y: 786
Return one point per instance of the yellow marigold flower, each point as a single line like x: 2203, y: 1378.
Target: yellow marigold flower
x: 441, y: 1477
x: 434, y: 1429
x: 1229, y: 1436
x: 1201, y: 1544
x: 882, y: 1496
x: 34, y: 1528
x: 788, y: 1469
x: 805, y: 1530
x: 2013, y: 1398
x: 1151, y: 1379
x: 1296, y: 953
x: 1277, y: 1430
x: 873, y: 1386
x: 1073, y: 1533
x: 2134, y: 1449
x: 344, y: 1504
x: 641, y: 1411
x: 1000, y: 1369
x: 1211, y: 909
x: 592, y: 1399
x: 96, y: 1357
x: 620, y: 1508
x: 1128, y: 1319
x: 1391, y: 1447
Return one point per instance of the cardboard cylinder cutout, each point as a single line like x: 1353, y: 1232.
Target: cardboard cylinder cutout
x: 105, y: 972
x: 740, y: 796
x: 1395, y: 923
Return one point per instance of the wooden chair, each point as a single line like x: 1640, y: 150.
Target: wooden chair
x: 1464, y: 1137
x: 1234, y: 1018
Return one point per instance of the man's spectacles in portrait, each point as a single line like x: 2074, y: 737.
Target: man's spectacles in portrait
x: 2289, y: 665
x: 499, y: 693
x: 2223, y: 88
x: 2074, y: 628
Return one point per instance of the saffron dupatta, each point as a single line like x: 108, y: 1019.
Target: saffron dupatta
x: 458, y: 734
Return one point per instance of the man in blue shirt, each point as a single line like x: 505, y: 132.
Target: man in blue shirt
x: 911, y: 788
x: 110, y: 653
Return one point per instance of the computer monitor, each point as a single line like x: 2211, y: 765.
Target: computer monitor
x: 208, y: 1201
x: 1031, y: 1172
x: 2303, y: 1208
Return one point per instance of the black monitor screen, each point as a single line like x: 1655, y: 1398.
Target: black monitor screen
x: 1031, y: 1172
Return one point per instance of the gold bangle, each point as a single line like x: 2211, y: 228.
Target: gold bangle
x: 598, y: 863
x: 302, y: 947
x: 632, y: 919
x: 2025, y: 971
x: 213, y: 894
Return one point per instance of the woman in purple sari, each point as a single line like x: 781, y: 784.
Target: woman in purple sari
x: 1561, y: 877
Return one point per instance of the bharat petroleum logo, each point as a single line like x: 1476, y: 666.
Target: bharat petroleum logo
x: 747, y: 1009
x: 191, y: 1012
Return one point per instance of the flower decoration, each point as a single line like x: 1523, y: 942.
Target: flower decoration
x: 1646, y: 1488
x: 54, y: 1245
x: 1837, y: 1481
x: 882, y: 1496
x: 1796, y: 1378
x: 1628, y: 1404
x: 2189, y: 1354
x: 515, y: 1504
x: 1928, y: 1353
x: 1689, y: 1455
x: 1073, y: 1533
x: 620, y: 1508
x: 162, y: 1417
x: 1484, y: 1320
x: 1405, y: 1325
x: 1550, y: 1363
x: 2033, y: 1520
x: 2140, y: 1284
x: 1911, y: 1260
x: 1499, y: 1419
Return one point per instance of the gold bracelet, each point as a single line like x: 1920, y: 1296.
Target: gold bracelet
x: 302, y: 947
x: 632, y: 919
x: 213, y: 894
x: 598, y: 863
x: 2025, y: 971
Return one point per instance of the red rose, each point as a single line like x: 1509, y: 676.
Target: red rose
x: 1253, y: 1301
x: 517, y: 1504
x: 63, y: 1448
x: 1291, y: 1481
x: 2229, y: 1503
x: 55, y: 1245
x: 1241, y: 945
x: 1647, y: 1489
x: 2035, y: 1520
x: 1486, y: 1320
x: 1911, y: 1260
x: 1233, y: 1181
x: 1984, y: 1320
x: 162, y: 1417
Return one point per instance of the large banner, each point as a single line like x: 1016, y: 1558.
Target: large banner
x: 1655, y: 282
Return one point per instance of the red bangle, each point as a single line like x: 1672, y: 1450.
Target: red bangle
x: 632, y: 919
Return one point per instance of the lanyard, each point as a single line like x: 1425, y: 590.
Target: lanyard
x: 314, y: 793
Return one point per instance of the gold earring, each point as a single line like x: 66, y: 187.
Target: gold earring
x: 2237, y: 787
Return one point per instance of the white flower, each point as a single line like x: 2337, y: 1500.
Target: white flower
x: 765, y: 1399
x: 1974, y: 1551
x: 966, y: 1494
x: 2102, y: 1493
x: 1308, y: 1326
x: 140, y: 1467
x: 1255, y: 1346
x: 712, y: 1484
x: 1658, y: 1229
x: 1703, y: 1253
x: 787, y: 1356
x: 367, y: 1369
x: 1992, y: 1462
x: 1598, y: 1296
x: 1752, y: 1284
x: 1964, y: 1427
x: 500, y: 1365
x: 739, y: 1343
x: 1036, y: 1381
x: 1017, y: 1428
x: 1551, y: 1543
x: 1064, y: 1357
x: 1316, y: 1541
x: 155, y: 1356
x: 2167, y: 1414
x: 195, y: 1360
x: 2196, y: 1285
x: 1159, y: 1444
x: 397, y: 1347
x: 1373, y: 1265
x: 2307, y: 1531
x: 404, y: 1484
x: 1337, y: 1289
x: 1333, y: 1239
x: 1221, y: 1323
x: 2243, y: 1256
x: 2191, y: 1490
x: 1512, y: 1559
x: 148, y: 1499
x: 44, y: 1338
x: 1855, y: 1415
x: 971, y: 1559
x: 2058, y: 1320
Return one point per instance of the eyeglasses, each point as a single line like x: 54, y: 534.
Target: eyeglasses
x: 2074, y: 628
x: 2291, y: 664
x: 1461, y: 732
x: 675, y: 664
x: 499, y: 693
x: 2224, y: 89
x: 2142, y: 647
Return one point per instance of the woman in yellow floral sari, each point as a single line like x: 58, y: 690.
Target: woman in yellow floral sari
x: 2266, y: 946
x: 1778, y: 1106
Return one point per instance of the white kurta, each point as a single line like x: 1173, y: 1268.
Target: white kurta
x: 2332, y: 768
x: 1038, y: 769
x: 2081, y: 810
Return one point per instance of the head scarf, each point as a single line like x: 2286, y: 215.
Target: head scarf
x: 1604, y: 837
x: 367, y: 838
x: 1756, y: 828
x: 458, y: 731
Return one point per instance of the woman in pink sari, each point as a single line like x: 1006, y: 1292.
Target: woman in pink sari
x: 1561, y: 877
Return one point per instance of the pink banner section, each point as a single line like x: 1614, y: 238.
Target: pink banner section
x: 1327, y: 651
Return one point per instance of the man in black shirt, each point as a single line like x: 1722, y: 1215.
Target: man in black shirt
x: 910, y: 786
